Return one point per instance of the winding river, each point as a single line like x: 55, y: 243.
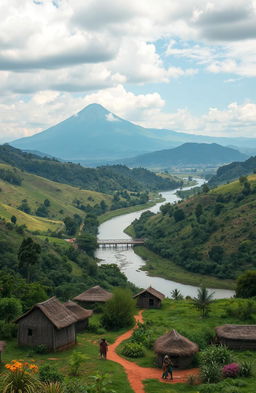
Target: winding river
x: 130, y: 263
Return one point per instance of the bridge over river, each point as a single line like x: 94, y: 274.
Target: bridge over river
x: 119, y: 242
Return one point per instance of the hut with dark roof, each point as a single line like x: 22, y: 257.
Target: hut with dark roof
x: 81, y: 314
x: 93, y: 296
x: 179, y: 349
x: 241, y: 337
x: 149, y: 298
x: 48, y: 323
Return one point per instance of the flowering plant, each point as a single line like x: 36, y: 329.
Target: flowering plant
x: 20, y: 377
x: 231, y: 370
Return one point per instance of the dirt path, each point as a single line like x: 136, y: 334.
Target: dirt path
x: 137, y: 374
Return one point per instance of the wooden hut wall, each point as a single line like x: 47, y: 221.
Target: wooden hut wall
x: 65, y: 337
x: 81, y: 325
x: 249, y: 345
x: 35, y: 329
x: 146, y: 300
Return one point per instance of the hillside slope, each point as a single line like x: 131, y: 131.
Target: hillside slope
x: 106, y: 179
x: 233, y: 171
x: 188, y: 154
x: 212, y: 233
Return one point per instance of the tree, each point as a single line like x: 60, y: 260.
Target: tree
x: 179, y: 215
x: 216, y: 253
x: 246, y: 284
x: 28, y: 255
x: 203, y: 300
x: 87, y: 242
x: 119, y: 310
x: 47, y: 203
x: 13, y: 219
x: 198, y: 210
x: 176, y: 294
x: 10, y: 308
x: 205, y: 188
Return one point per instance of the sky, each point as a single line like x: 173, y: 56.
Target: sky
x: 189, y: 65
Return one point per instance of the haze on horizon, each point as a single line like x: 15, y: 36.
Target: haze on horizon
x: 185, y: 66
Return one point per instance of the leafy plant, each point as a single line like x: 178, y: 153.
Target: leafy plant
x: 231, y: 370
x: 74, y: 386
x: 133, y: 350
x: 20, y: 378
x: 41, y: 349
x: 52, y: 387
x: 75, y: 362
x: 214, y: 354
x: 246, y: 368
x: 203, y: 300
x: 210, y: 373
x: 101, y: 384
x: 49, y: 373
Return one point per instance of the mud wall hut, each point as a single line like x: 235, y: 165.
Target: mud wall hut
x: 149, y: 298
x: 48, y: 323
x: 179, y: 349
x: 241, y: 337
x: 81, y: 314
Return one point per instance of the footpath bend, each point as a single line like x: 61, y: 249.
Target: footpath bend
x: 136, y: 374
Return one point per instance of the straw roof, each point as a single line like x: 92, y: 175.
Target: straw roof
x: 237, y: 332
x: 174, y: 344
x: 152, y: 292
x: 94, y: 294
x: 80, y: 312
x: 2, y: 345
x: 55, y: 311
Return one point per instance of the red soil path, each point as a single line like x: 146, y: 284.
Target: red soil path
x: 137, y: 374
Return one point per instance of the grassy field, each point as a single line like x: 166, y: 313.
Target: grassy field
x: 157, y: 266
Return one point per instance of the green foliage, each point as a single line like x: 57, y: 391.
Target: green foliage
x: 246, y: 284
x: 119, y: 310
x: 75, y: 362
x: 213, y: 354
x: 101, y: 384
x: 52, y: 387
x: 210, y: 373
x: 178, y: 215
x: 87, y: 242
x: 176, y: 294
x: 41, y: 349
x: 28, y: 255
x: 74, y: 386
x: 49, y: 373
x: 10, y: 176
x: 10, y: 309
x: 246, y: 368
x: 203, y: 300
x: 143, y: 334
x: 243, y: 310
x: 7, y: 329
x: 133, y: 350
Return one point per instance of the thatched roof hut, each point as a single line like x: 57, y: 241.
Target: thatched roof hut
x: 94, y: 295
x: 48, y: 323
x: 81, y: 314
x: 241, y: 337
x: 149, y: 298
x: 2, y: 346
x: 179, y: 348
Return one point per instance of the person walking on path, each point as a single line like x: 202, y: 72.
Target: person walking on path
x: 103, y: 348
x: 167, y: 367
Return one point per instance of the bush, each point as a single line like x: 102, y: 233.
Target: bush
x: 75, y: 362
x: 143, y: 335
x: 133, y: 350
x: 41, y: 349
x: 246, y: 368
x: 48, y: 373
x: 231, y: 370
x: 210, y: 373
x: 213, y: 354
x: 7, y: 330
x: 119, y: 310
x: 52, y: 387
x: 74, y: 386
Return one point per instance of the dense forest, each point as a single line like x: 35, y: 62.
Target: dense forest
x: 105, y: 179
x: 212, y: 233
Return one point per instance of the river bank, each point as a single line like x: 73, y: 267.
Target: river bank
x: 156, y: 266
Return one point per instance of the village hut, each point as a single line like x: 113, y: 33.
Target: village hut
x: 241, y: 337
x: 2, y: 346
x: 149, y: 298
x: 179, y: 348
x: 93, y: 296
x: 48, y: 323
x: 81, y: 314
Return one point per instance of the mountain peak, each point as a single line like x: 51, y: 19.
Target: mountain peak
x: 94, y: 108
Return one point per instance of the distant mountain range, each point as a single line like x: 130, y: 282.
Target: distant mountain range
x: 95, y: 136
x: 186, y: 155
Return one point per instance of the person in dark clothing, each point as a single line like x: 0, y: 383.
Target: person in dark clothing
x: 103, y: 348
x: 167, y: 367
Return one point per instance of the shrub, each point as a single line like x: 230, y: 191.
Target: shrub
x: 20, y: 378
x: 246, y: 368
x: 41, y: 349
x: 143, y: 335
x: 74, y: 386
x: 133, y: 350
x: 119, y: 310
x: 213, y: 354
x: 7, y: 330
x: 210, y: 373
x: 75, y: 362
x: 231, y: 370
x: 101, y: 384
x: 49, y: 373
x: 52, y: 387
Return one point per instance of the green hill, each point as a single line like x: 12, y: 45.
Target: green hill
x: 211, y: 233
x: 233, y: 171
